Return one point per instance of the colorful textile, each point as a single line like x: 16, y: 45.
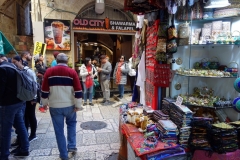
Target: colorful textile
x: 130, y: 129
x: 204, y: 155
x: 137, y: 143
x: 89, y: 80
x: 119, y: 73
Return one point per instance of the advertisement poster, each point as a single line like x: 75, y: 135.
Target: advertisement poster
x: 39, y: 49
x: 57, y: 34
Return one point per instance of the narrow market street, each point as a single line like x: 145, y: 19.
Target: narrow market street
x: 91, y: 145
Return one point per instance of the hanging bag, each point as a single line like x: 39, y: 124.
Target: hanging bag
x: 172, y: 31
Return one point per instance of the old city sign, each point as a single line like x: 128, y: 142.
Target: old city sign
x: 103, y: 24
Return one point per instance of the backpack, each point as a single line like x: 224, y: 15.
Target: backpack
x: 26, y: 86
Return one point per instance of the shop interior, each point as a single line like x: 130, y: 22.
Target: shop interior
x: 94, y: 45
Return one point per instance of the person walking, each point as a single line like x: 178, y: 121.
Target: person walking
x: 11, y: 109
x: 131, y: 74
x: 95, y: 80
x: 62, y: 92
x: 30, y: 115
x: 120, y: 75
x: 105, y: 71
x: 41, y: 69
x: 88, y: 72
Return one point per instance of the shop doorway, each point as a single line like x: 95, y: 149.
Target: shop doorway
x: 94, y: 45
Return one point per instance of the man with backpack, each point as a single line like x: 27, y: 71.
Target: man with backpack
x: 11, y: 107
x: 29, y: 113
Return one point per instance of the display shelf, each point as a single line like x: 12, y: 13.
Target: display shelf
x: 209, y: 19
x: 202, y: 76
x: 211, y: 45
x: 212, y: 107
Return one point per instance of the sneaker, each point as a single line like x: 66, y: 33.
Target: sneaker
x: 15, y: 144
x: 16, y: 150
x: 103, y: 101
x: 91, y: 104
x: 72, y: 150
x: 84, y: 104
x: 41, y: 109
x: 106, y: 103
x: 32, y: 138
x: 21, y: 154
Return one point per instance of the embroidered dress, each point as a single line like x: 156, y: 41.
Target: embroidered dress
x: 119, y: 73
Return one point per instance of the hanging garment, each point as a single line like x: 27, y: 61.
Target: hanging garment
x: 142, y: 78
x: 140, y: 19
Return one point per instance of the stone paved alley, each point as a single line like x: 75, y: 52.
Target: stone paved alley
x: 91, y: 145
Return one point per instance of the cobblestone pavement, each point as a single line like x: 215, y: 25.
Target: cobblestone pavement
x: 91, y: 145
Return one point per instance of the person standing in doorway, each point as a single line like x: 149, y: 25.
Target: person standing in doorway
x: 120, y: 75
x: 105, y: 72
x: 131, y: 74
x: 88, y: 72
x: 11, y: 110
x: 61, y: 90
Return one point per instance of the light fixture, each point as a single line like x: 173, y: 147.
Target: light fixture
x: 216, y: 3
x: 91, y: 44
x: 86, y: 44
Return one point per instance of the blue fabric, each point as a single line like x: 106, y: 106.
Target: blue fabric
x: 121, y: 90
x: 60, y: 81
x: 58, y: 115
x: 9, y: 114
x: 54, y: 63
x: 85, y: 90
x: 78, y: 94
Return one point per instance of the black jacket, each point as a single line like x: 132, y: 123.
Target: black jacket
x: 8, y: 86
x: 41, y: 68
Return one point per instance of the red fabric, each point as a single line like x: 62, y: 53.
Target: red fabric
x: 136, y: 140
x: 89, y: 80
x: 129, y: 129
x: 119, y: 73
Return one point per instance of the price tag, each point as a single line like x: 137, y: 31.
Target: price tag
x: 179, y: 101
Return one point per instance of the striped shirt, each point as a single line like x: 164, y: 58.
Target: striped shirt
x: 61, y: 87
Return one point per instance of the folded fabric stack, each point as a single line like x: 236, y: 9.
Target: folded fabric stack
x: 158, y: 115
x: 237, y: 127
x: 169, y: 154
x: 148, y: 111
x: 199, y: 139
x: 224, y: 138
x: 168, y: 131
x: 181, y: 116
x: 165, y: 105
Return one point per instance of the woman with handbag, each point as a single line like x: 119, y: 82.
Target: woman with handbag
x: 88, y: 72
x: 120, y: 75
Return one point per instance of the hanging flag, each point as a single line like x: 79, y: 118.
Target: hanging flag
x: 5, y: 45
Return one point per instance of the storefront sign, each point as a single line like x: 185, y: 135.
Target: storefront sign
x: 103, y: 24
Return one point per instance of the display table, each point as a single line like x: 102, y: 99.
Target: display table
x: 204, y: 155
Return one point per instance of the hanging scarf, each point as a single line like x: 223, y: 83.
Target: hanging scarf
x: 119, y: 73
x: 89, y: 80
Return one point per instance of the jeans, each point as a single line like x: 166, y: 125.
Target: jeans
x: 58, y: 115
x: 85, y: 90
x: 121, y: 90
x: 30, y: 117
x: 105, y: 89
x: 7, y: 116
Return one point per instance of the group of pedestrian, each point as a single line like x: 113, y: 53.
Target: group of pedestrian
x: 61, y: 93
x: 13, y: 111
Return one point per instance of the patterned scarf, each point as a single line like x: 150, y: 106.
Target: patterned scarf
x: 119, y: 73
